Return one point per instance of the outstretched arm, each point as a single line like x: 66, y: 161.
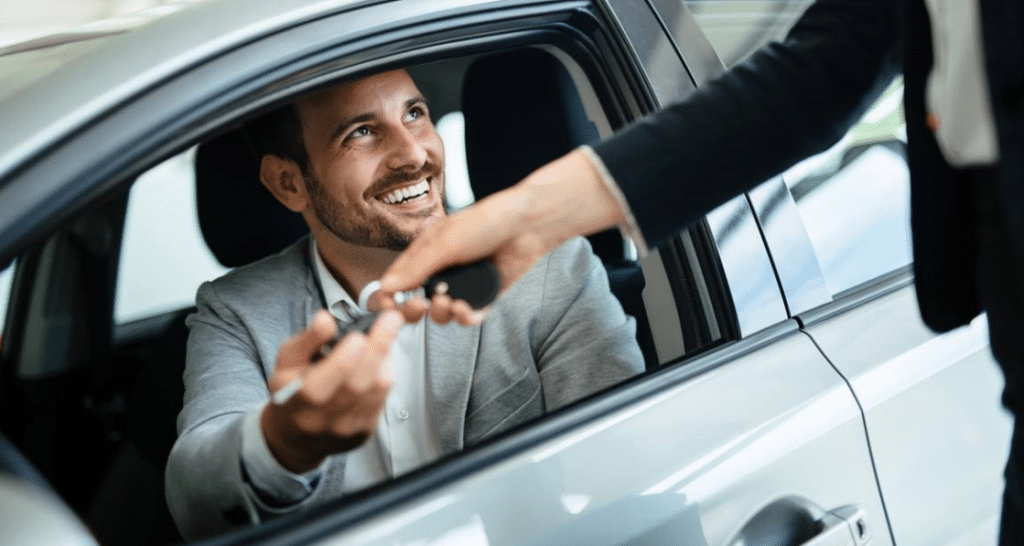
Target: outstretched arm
x: 788, y: 101
x: 515, y: 228
x: 210, y: 486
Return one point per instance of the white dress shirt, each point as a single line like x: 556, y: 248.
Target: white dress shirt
x: 406, y: 437
x: 957, y: 91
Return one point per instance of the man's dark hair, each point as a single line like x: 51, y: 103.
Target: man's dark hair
x: 278, y: 132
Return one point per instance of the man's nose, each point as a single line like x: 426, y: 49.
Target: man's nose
x: 406, y: 150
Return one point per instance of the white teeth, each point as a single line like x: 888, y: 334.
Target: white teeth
x: 401, y: 194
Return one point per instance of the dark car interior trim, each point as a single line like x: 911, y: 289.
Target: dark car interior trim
x: 700, y: 288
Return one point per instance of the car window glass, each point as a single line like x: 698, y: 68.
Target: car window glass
x: 854, y: 198
x: 737, y: 28
x: 6, y: 277
x: 163, y: 256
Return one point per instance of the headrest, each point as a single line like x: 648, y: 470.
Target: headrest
x: 523, y: 110
x: 240, y: 220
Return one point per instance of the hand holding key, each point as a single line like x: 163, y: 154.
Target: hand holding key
x: 512, y: 228
x: 340, y: 397
x: 458, y: 293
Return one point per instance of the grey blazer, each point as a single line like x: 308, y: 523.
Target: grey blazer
x: 555, y: 337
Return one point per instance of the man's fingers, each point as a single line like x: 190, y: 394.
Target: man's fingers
x: 466, y: 315
x: 414, y: 309
x: 383, y: 333
x: 323, y: 381
x: 441, y: 308
x: 354, y: 367
x: 297, y: 351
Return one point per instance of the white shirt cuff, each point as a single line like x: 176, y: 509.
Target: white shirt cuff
x: 274, y: 483
x: 630, y: 230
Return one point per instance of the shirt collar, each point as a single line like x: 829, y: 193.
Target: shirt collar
x: 339, y: 302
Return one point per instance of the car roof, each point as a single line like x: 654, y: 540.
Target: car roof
x: 109, y: 26
x: 137, y: 52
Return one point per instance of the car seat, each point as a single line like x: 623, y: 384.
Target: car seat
x: 523, y: 110
x: 129, y: 507
x: 229, y: 200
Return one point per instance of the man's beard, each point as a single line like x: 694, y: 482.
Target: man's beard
x: 375, y: 231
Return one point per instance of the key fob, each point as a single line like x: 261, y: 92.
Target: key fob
x: 476, y: 283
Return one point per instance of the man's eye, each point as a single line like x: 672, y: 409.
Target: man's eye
x: 360, y: 132
x: 416, y: 113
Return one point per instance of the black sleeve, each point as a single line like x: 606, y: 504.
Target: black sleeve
x: 786, y: 102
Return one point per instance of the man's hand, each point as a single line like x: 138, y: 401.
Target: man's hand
x: 514, y: 228
x: 489, y: 228
x: 342, y: 395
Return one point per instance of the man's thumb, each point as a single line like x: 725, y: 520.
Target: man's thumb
x: 307, y: 344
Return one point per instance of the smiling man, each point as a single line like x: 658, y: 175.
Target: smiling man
x: 363, y: 165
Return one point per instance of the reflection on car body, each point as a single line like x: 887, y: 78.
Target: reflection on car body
x: 788, y: 371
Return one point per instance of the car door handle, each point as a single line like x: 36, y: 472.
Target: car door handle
x: 794, y: 521
x: 844, y: 526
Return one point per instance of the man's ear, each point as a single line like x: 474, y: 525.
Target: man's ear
x: 284, y: 180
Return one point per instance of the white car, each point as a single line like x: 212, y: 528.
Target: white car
x: 792, y: 393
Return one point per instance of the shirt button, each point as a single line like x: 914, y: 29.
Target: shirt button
x: 403, y: 414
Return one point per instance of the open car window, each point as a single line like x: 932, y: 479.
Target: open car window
x: 116, y: 282
x: 484, y: 152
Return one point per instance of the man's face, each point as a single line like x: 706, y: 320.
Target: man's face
x: 376, y: 164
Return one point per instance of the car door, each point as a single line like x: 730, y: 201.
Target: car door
x: 931, y: 401
x: 837, y: 226
x: 741, y: 431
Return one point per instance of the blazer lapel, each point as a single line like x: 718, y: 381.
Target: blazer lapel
x: 451, y: 355
x: 314, y: 301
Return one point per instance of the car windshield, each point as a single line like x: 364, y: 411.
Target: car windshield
x: 20, y: 69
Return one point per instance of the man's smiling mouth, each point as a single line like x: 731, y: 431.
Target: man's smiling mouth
x: 401, y: 195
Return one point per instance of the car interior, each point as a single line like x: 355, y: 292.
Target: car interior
x: 92, y: 404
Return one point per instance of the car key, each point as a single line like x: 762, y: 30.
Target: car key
x: 476, y: 283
